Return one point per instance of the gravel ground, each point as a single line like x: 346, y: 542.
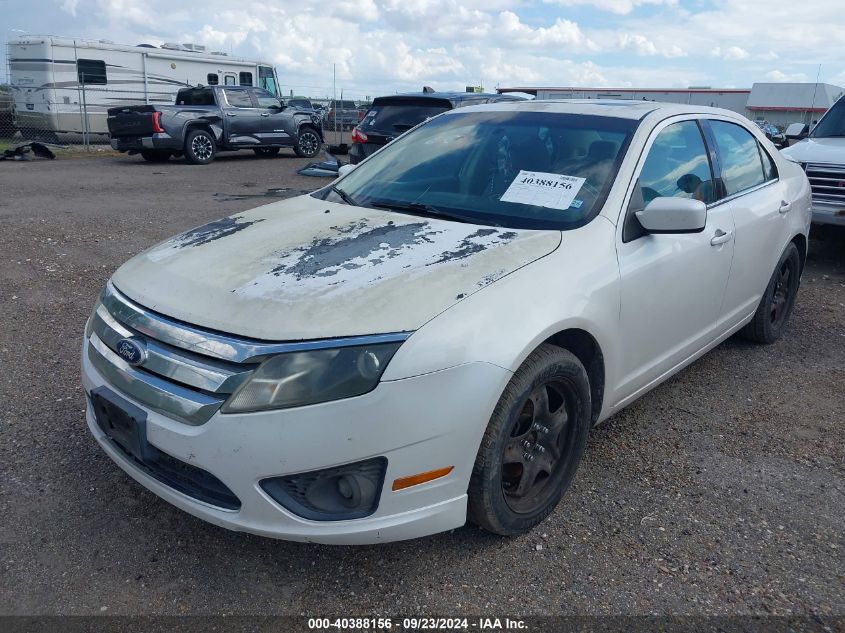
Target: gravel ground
x: 719, y: 493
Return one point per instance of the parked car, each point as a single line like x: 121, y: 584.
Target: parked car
x: 393, y: 115
x: 822, y: 155
x: 429, y: 339
x: 208, y: 119
x: 301, y: 103
x: 772, y: 133
x: 796, y: 132
x: 341, y: 115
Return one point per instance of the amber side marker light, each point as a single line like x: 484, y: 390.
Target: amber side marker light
x: 421, y: 478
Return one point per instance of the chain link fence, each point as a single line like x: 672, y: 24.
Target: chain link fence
x: 76, y: 115
x: 68, y: 116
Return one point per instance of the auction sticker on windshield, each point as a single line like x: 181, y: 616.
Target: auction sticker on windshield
x: 540, y: 189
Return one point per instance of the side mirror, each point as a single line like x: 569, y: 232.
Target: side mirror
x: 673, y: 215
x: 345, y: 169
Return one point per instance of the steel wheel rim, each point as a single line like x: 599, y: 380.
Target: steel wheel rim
x: 201, y: 146
x: 535, y: 453
x: 308, y: 143
x: 781, y: 294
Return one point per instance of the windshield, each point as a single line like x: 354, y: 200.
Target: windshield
x: 833, y: 122
x: 500, y: 168
x: 399, y: 117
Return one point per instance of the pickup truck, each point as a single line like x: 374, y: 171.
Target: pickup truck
x: 822, y: 155
x: 209, y: 119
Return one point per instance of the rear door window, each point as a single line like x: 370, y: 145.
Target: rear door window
x: 195, y: 96
x: 395, y: 118
x: 739, y: 154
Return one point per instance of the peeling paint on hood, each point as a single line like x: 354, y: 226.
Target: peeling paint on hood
x: 305, y: 268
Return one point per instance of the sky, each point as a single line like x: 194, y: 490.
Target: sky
x: 388, y: 46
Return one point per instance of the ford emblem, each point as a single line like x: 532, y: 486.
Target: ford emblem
x: 132, y: 350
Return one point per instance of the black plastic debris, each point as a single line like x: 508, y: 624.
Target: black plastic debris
x: 325, y: 169
x: 21, y: 152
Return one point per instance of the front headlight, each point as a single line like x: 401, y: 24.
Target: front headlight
x: 298, y: 378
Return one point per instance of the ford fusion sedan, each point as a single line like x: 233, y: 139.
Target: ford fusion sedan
x: 429, y: 339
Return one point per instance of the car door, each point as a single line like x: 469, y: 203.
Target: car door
x: 672, y: 284
x: 758, y: 203
x: 275, y: 120
x: 243, y: 119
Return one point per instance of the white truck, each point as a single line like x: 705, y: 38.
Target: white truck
x: 62, y: 85
x: 822, y: 155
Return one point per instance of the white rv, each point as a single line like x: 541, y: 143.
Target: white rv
x: 63, y: 85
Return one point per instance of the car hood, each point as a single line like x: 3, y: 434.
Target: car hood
x: 305, y: 268
x: 818, y: 150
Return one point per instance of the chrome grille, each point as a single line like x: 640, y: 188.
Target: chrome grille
x: 828, y: 184
x: 189, y: 372
x: 172, y: 379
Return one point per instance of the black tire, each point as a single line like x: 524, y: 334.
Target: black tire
x: 556, y: 432
x: 776, y: 305
x: 266, y: 152
x: 200, y: 147
x: 155, y: 155
x: 307, y: 143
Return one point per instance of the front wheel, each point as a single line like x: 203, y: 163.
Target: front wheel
x: 533, y: 443
x: 775, y: 307
x: 266, y: 152
x: 308, y: 143
x: 200, y: 147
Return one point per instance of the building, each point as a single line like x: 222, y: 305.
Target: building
x: 778, y: 103
x: 782, y: 104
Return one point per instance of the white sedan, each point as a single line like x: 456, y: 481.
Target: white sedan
x: 429, y: 339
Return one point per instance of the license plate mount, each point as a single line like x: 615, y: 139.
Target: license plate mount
x: 123, y: 423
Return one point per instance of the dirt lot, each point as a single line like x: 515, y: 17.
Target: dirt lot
x: 721, y: 492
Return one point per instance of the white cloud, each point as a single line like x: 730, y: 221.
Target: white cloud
x: 778, y: 76
x: 731, y: 53
x: 69, y: 6
x: 621, y: 7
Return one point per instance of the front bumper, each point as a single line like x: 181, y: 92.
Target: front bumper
x: 418, y: 424
x: 828, y: 214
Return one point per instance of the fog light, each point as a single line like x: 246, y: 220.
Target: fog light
x: 351, y: 491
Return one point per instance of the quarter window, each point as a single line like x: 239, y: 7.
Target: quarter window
x: 238, y: 98
x: 769, y: 170
x: 246, y: 79
x: 213, y: 79
x: 739, y: 153
x: 91, y: 72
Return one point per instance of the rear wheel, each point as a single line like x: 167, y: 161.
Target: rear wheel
x: 155, y: 155
x: 533, y: 443
x: 200, y: 147
x: 775, y: 307
x: 267, y: 152
x: 308, y: 142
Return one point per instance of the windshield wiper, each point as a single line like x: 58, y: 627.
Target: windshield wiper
x: 424, y: 210
x: 344, y: 196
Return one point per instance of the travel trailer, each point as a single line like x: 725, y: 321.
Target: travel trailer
x: 63, y: 85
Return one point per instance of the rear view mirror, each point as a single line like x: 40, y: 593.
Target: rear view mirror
x: 345, y: 169
x: 795, y: 130
x: 673, y: 215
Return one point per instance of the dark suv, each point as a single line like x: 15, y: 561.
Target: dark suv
x: 393, y: 115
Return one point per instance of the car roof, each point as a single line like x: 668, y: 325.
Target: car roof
x: 454, y: 97
x: 619, y: 108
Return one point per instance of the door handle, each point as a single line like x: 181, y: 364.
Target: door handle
x: 265, y: 114
x: 230, y: 114
x: 785, y: 207
x: 721, y: 237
